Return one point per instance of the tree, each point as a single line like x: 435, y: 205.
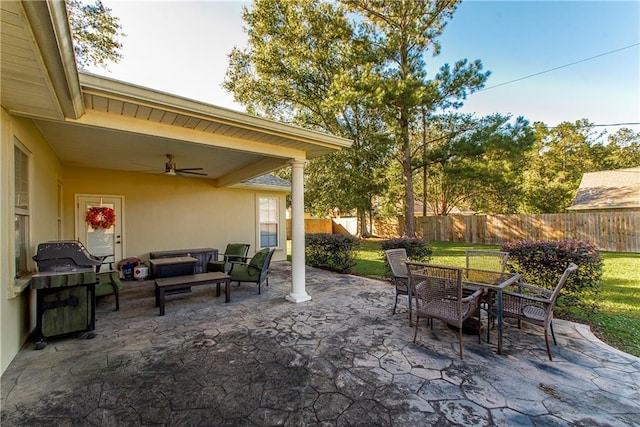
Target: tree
x: 473, y: 163
x: 400, y: 34
x: 302, y: 65
x: 95, y: 33
x: 622, y: 150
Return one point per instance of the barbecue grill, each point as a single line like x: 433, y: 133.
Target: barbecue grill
x: 65, y: 287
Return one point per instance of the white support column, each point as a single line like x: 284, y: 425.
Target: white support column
x: 298, y: 279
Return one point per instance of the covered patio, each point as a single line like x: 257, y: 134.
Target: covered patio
x: 338, y: 359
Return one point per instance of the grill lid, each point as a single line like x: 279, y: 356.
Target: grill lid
x: 64, y: 255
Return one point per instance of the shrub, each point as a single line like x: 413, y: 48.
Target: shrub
x: 335, y: 252
x: 417, y: 250
x: 541, y: 263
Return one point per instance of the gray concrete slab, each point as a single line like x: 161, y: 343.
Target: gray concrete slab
x: 340, y: 359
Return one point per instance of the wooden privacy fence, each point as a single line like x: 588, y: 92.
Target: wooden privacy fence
x: 611, y: 231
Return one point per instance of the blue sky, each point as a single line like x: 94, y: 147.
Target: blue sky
x: 182, y: 47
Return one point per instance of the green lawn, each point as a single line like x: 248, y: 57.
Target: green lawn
x: 617, y: 321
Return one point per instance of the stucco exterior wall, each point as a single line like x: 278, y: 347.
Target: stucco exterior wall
x: 17, y: 301
x: 173, y: 212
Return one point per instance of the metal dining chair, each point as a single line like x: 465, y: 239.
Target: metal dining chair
x: 533, y: 304
x: 438, y: 294
x: 397, y: 258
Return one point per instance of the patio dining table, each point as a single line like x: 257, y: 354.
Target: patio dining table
x: 493, y: 282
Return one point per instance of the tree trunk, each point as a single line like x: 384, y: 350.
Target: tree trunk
x: 409, y: 220
x: 363, y: 223
x: 424, y: 162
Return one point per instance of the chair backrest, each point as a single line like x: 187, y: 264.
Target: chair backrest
x: 261, y: 261
x: 486, y: 260
x: 236, y: 251
x: 563, y: 280
x: 265, y: 256
x: 436, y: 282
x: 397, y: 258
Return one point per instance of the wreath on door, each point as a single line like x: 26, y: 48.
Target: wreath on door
x: 100, y: 217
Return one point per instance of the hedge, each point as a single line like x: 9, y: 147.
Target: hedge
x: 335, y: 252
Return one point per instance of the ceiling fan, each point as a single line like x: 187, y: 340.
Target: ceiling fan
x: 171, y: 169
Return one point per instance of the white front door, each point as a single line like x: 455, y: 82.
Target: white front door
x: 103, y: 242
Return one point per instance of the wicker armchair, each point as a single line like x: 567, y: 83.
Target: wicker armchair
x: 533, y: 304
x: 397, y: 258
x: 438, y: 293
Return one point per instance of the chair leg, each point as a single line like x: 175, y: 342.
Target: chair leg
x: 117, y: 293
x: 479, y: 325
x: 552, y: 334
x: 460, y: 340
x: 415, y: 332
x: 395, y: 305
x: 546, y: 341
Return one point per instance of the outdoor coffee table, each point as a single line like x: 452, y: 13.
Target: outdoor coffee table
x: 181, y: 284
x: 493, y: 282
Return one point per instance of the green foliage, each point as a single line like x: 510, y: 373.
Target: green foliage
x: 335, y: 252
x: 541, y: 263
x: 473, y: 163
x: 621, y: 151
x: 95, y: 33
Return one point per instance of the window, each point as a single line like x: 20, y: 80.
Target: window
x: 268, y: 221
x: 21, y: 209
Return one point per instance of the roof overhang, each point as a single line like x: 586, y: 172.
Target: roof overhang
x: 39, y: 77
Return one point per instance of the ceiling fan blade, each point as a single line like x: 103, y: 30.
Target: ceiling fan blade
x: 188, y: 169
x: 180, y: 171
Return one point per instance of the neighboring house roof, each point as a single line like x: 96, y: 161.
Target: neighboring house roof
x: 616, y: 189
x: 96, y: 122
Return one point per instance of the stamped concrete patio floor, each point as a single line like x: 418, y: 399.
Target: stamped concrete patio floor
x: 339, y: 359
